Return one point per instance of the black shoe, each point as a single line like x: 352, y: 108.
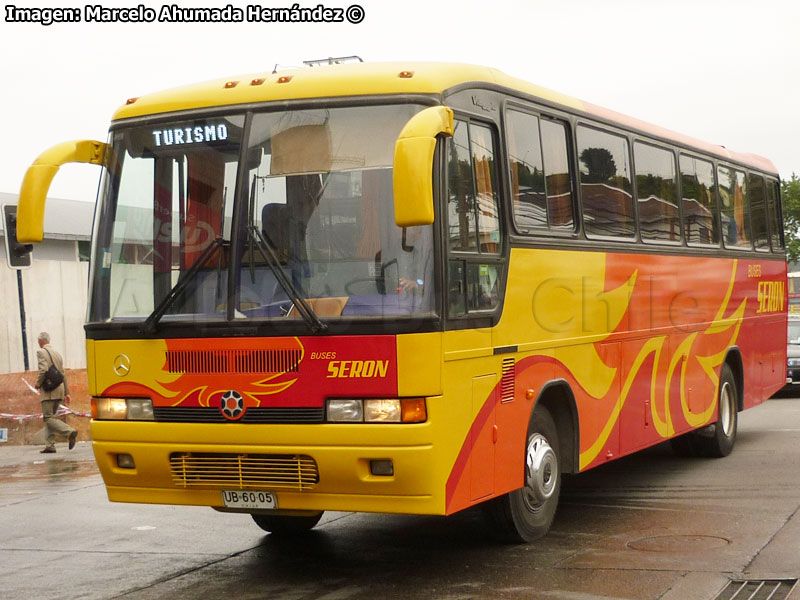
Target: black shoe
x: 48, y: 451
x: 72, y: 438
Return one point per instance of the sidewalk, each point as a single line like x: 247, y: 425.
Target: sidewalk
x: 25, y: 455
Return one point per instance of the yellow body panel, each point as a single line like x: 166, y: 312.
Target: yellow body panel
x: 363, y: 79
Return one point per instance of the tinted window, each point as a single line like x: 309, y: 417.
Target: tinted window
x: 605, y: 184
x: 758, y: 211
x: 540, y: 179
x: 700, y: 215
x: 776, y: 225
x: 656, y: 192
x: 557, y: 176
x: 527, y: 171
x: 735, y: 214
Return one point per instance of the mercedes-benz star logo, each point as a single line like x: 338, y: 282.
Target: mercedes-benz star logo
x: 122, y: 365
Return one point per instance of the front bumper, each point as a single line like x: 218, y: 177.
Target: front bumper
x: 344, y: 483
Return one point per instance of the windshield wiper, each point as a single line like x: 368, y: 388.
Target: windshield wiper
x: 151, y: 324
x: 268, y: 252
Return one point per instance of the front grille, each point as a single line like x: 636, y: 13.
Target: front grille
x: 196, y: 414
x: 233, y: 361
x: 244, y: 471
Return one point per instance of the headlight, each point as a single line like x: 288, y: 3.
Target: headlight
x: 140, y: 409
x: 382, y: 411
x: 122, y: 409
x: 345, y: 411
x: 377, y: 410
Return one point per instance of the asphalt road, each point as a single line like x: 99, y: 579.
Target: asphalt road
x: 647, y: 526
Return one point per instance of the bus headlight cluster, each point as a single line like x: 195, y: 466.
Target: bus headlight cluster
x: 122, y: 409
x: 377, y: 410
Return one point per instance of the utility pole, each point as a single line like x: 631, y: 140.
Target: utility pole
x: 22, y: 319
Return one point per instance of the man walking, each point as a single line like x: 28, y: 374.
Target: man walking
x: 46, y: 357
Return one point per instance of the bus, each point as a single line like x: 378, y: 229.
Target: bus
x: 793, y: 281
x: 412, y: 289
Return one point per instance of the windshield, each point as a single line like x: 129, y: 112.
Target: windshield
x: 315, y: 240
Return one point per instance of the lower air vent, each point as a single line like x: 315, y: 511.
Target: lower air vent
x: 507, y: 381
x: 244, y: 471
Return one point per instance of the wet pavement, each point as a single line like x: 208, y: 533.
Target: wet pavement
x: 650, y: 526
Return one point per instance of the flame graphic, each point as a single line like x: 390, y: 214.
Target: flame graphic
x: 153, y: 379
x: 614, y: 343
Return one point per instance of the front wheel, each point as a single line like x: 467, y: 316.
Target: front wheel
x: 526, y: 514
x: 286, y: 524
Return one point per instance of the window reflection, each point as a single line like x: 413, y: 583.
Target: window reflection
x: 700, y: 218
x: 656, y: 191
x: 605, y: 184
x: 735, y: 214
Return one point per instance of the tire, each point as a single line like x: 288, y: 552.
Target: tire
x: 286, y: 524
x: 715, y: 440
x: 526, y: 514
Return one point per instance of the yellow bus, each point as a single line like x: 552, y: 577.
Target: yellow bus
x: 412, y: 288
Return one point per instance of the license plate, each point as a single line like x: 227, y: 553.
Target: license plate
x: 249, y: 499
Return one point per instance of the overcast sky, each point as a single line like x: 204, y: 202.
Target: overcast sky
x: 724, y: 71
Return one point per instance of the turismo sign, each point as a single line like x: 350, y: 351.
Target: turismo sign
x: 190, y: 135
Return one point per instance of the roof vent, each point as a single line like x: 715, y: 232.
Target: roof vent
x: 339, y: 60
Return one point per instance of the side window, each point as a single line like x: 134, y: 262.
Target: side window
x: 735, y: 214
x: 461, y: 192
x: 758, y: 211
x: 656, y: 193
x: 541, y: 188
x: 486, y: 192
x: 775, y: 222
x: 605, y: 177
x: 528, y: 195
x: 473, y: 220
x: 700, y: 214
x: 557, y: 175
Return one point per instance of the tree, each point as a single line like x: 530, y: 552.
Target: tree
x: 599, y: 164
x: 790, y: 196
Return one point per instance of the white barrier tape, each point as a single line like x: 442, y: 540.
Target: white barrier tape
x: 30, y: 387
x: 62, y: 410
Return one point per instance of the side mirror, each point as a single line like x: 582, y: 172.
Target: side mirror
x: 413, y: 165
x: 35, y: 185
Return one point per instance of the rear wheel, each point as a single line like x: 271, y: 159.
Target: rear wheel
x: 526, y: 514
x: 715, y: 440
x: 287, y: 524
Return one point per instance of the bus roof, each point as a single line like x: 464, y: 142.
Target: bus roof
x: 370, y: 79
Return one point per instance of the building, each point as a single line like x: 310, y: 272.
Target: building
x: 54, y: 287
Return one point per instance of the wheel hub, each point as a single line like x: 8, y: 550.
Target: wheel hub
x: 541, y: 471
x: 726, y: 409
